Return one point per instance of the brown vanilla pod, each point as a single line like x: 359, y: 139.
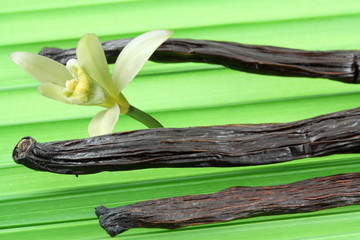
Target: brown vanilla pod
x: 234, y: 203
x: 212, y: 146
x: 341, y: 65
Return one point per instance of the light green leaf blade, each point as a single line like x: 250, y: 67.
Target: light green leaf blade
x: 41, y: 205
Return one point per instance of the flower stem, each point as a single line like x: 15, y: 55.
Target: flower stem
x: 143, y: 117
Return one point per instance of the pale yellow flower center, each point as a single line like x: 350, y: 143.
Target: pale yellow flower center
x: 77, y: 89
x: 71, y: 84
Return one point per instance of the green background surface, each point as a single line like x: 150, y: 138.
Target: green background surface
x: 40, y: 205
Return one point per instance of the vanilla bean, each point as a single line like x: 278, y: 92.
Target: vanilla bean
x: 234, y: 203
x: 213, y: 146
x: 341, y: 65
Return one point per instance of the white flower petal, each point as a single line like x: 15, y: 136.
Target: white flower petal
x: 133, y: 57
x: 52, y: 91
x: 91, y: 57
x: 104, y: 122
x: 97, y: 96
x: 42, y: 68
x: 72, y: 66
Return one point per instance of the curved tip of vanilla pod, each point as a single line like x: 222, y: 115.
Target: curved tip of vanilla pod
x: 20, y: 150
x: 108, y: 223
x: 100, y: 210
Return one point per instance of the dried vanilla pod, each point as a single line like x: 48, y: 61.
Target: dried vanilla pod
x: 212, y: 146
x: 340, y: 65
x: 234, y: 203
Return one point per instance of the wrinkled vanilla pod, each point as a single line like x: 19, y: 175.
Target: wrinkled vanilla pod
x: 213, y: 146
x: 341, y: 65
x: 234, y: 203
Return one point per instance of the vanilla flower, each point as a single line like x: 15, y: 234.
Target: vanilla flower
x: 87, y: 80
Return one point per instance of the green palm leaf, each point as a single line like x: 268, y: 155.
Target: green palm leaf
x: 42, y: 205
